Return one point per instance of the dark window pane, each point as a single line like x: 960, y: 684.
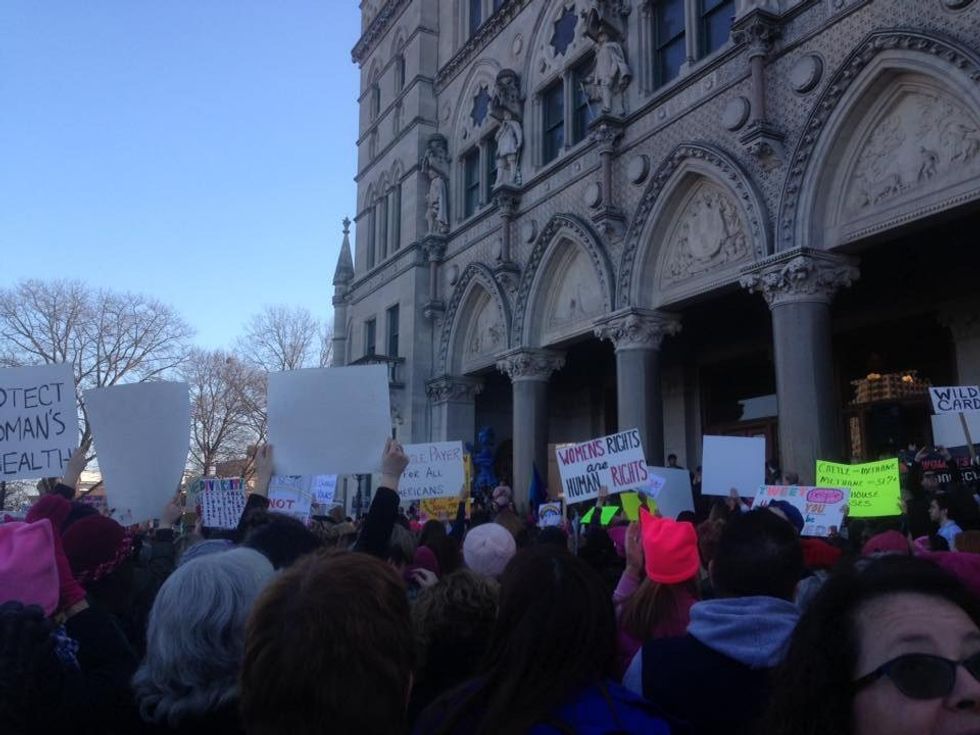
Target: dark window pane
x: 564, y: 33
x: 716, y: 24
x: 670, y: 49
x: 554, y: 121
x: 670, y: 19
x: 498, y: 4
x: 481, y: 104
x: 399, y: 73
x: 476, y: 15
x: 393, y: 317
x: 370, y: 335
x: 471, y: 182
x: 583, y: 110
x: 491, y: 163
x: 671, y: 58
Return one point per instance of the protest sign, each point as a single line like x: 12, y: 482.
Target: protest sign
x: 292, y: 495
x: 434, y: 471
x: 38, y: 421
x: 675, y: 496
x: 955, y: 399
x: 142, y: 435
x: 549, y: 514
x: 329, y: 420
x: 441, y: 508
x: 822, y: 508
x: 606, y: 515
x: 615, y: 462
x: 948, y: 429
x: 324, y: 489
x: 631, y: 505
x: 733, y: 462
x: 99, y: 502
x: 222, y: 502
x: 875, y: 486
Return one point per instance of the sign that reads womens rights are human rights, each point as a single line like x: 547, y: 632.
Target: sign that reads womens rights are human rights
x: 615, y: 462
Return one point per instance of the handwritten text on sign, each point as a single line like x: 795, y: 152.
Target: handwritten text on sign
x: 615, y: 462
x: 38, y: 425
x: 875, y: 486
x: 434, y: 471
x: 822, y: 508
x: 292, y: 495
x: 955, y: 399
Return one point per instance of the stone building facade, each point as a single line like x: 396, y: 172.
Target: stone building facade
x: 686, y: 216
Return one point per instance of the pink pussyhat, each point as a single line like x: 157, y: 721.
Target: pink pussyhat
x: 28, y: 572
x: 670, y: 549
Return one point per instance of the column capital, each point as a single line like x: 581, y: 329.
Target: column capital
x: 447, y: 388
x: 962, y: 319
x: 637, y: 329
x: 433, y: 248
x: 800, y: 275
x: 530, y: 364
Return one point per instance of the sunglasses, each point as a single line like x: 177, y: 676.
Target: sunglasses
x: 921, y: 675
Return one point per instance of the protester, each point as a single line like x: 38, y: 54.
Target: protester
x: 891, y: 647
x: 329, y: 648
x: 939, y: 512
x: 548, y: 658
x: 188, y: 682
x: 734, y: 641
x: 659, y: 585
x: 488, y: 548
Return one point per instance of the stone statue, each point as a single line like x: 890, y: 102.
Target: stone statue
x: 435, y: 166
x: 510, y: 141
x: 612, y: 73
x: 483, y: 459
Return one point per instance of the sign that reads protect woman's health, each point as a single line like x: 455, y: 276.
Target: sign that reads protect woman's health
x: 434, y: 471
x: 615, y: 462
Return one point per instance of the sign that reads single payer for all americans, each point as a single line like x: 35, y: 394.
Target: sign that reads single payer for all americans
x: 434, y: 471
x: 38, y: 423
x: 875, y: 486
x: 615, y: 462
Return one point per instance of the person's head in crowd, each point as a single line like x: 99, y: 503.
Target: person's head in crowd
x: 552, y: 536
x: 887, y: 542
x: 939, y: 509
x: 930, y: 481
x: 329, y: 647
x: 708, y: 534
x: 672, y: 460
x: 550, y: 601
x: 195, y: 638
x: 791, y: 478
x: 758, y: 554
x: 935, y: 542
x: 968, y: 542
x: 671, y: 564
x: 687, y: 516
x: 892, y: 646
x: 101, y: 554
x: 452, y: 621
x: 28, y: 566
x: 488, y: 548
x: 502, y: 496
x: 203, y: 548
x: 789, y: 513
x: 281, y: 538
x: 401, y: 549
x: 434, y: 536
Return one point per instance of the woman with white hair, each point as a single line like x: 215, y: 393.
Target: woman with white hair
x: 188, y: 682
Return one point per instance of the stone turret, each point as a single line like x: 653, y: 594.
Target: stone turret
x: 342, y: 278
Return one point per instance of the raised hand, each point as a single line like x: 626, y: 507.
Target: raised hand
x: 393, y: 464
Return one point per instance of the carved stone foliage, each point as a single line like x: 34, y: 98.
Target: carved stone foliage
x: 878, y: 180
x: 560, y: 227
x: 525, y: 364
x: 749, y: 234
x: 800, y: 275
x: 474, y: 321
x: 453, y: 388
x: 383, y: 16
x: 923, y: 141
x: 634, y: 329
x: 708, y: 234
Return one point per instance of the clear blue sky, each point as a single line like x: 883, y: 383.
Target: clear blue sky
x: 201, y: 151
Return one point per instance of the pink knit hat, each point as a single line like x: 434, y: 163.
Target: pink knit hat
x: 28, y: 572
x: 96, y: 546
x: 488, y: 548
x: 887, y: 542
x: 670, y: 549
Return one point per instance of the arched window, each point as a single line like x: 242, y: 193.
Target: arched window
x: 399, y: 73
x: 375, y: 101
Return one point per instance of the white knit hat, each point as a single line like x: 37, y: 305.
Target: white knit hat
x: 488, y: 548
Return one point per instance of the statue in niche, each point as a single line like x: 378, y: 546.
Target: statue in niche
x: 612, y: 73
x: 483, y: 460
x: 506, y: 106
x: 435, y: 166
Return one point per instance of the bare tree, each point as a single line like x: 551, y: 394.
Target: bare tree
x: 108, y: 337
x: 281, y: 338
x: 326, y: 344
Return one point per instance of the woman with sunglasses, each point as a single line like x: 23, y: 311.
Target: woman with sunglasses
x: 890, y: 647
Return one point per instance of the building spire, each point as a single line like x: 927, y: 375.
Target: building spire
x: 345, y: 262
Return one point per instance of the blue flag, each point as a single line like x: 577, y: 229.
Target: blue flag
x: 536, y: 494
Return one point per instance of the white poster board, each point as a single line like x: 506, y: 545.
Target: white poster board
x: 674, y: 496
x: 615, y: 462
x: 733, y: 462
x: 947, y: 429
x: 38, y: 421
x: 434, y: 471
x: 549, y: 514
x: 329, y: 420
x: 822, y: 508
x: 291, y: 495
x: 142, y: 435
x: 324, y: 489
x: 221, y: 508
x: 955, y: 399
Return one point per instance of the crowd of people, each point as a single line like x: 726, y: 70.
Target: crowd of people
x: 725, y: 620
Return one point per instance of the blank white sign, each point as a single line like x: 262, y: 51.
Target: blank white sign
x: 733, y: 462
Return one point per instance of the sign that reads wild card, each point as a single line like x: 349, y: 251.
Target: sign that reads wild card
x: 615, y: 462
x: 955, y: 399
x: 38, y: 424
x: 434, y: 471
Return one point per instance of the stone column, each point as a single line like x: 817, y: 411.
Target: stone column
x: 963, y: 320
x: 453, y: 401
x: 529, y: 371
x: 433, y: 249
x: 798, y: 286
x: 637, y: 335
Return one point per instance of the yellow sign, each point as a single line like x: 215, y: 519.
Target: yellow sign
x: 875, y: 486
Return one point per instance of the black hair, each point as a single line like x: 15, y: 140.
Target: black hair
x: 813, y: 687
x: 281, y: 538
x: 758, y: 553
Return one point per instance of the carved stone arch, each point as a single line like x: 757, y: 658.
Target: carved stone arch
x: 395, y: 173
x: 700, y: 220
x: 370, y: 194
x: 898, y: 127
x: 552, y: 301
x: 465, y: 132
x: 477, y: 323
x: 397, y: 43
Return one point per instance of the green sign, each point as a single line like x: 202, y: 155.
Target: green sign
x: 874, y: 486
